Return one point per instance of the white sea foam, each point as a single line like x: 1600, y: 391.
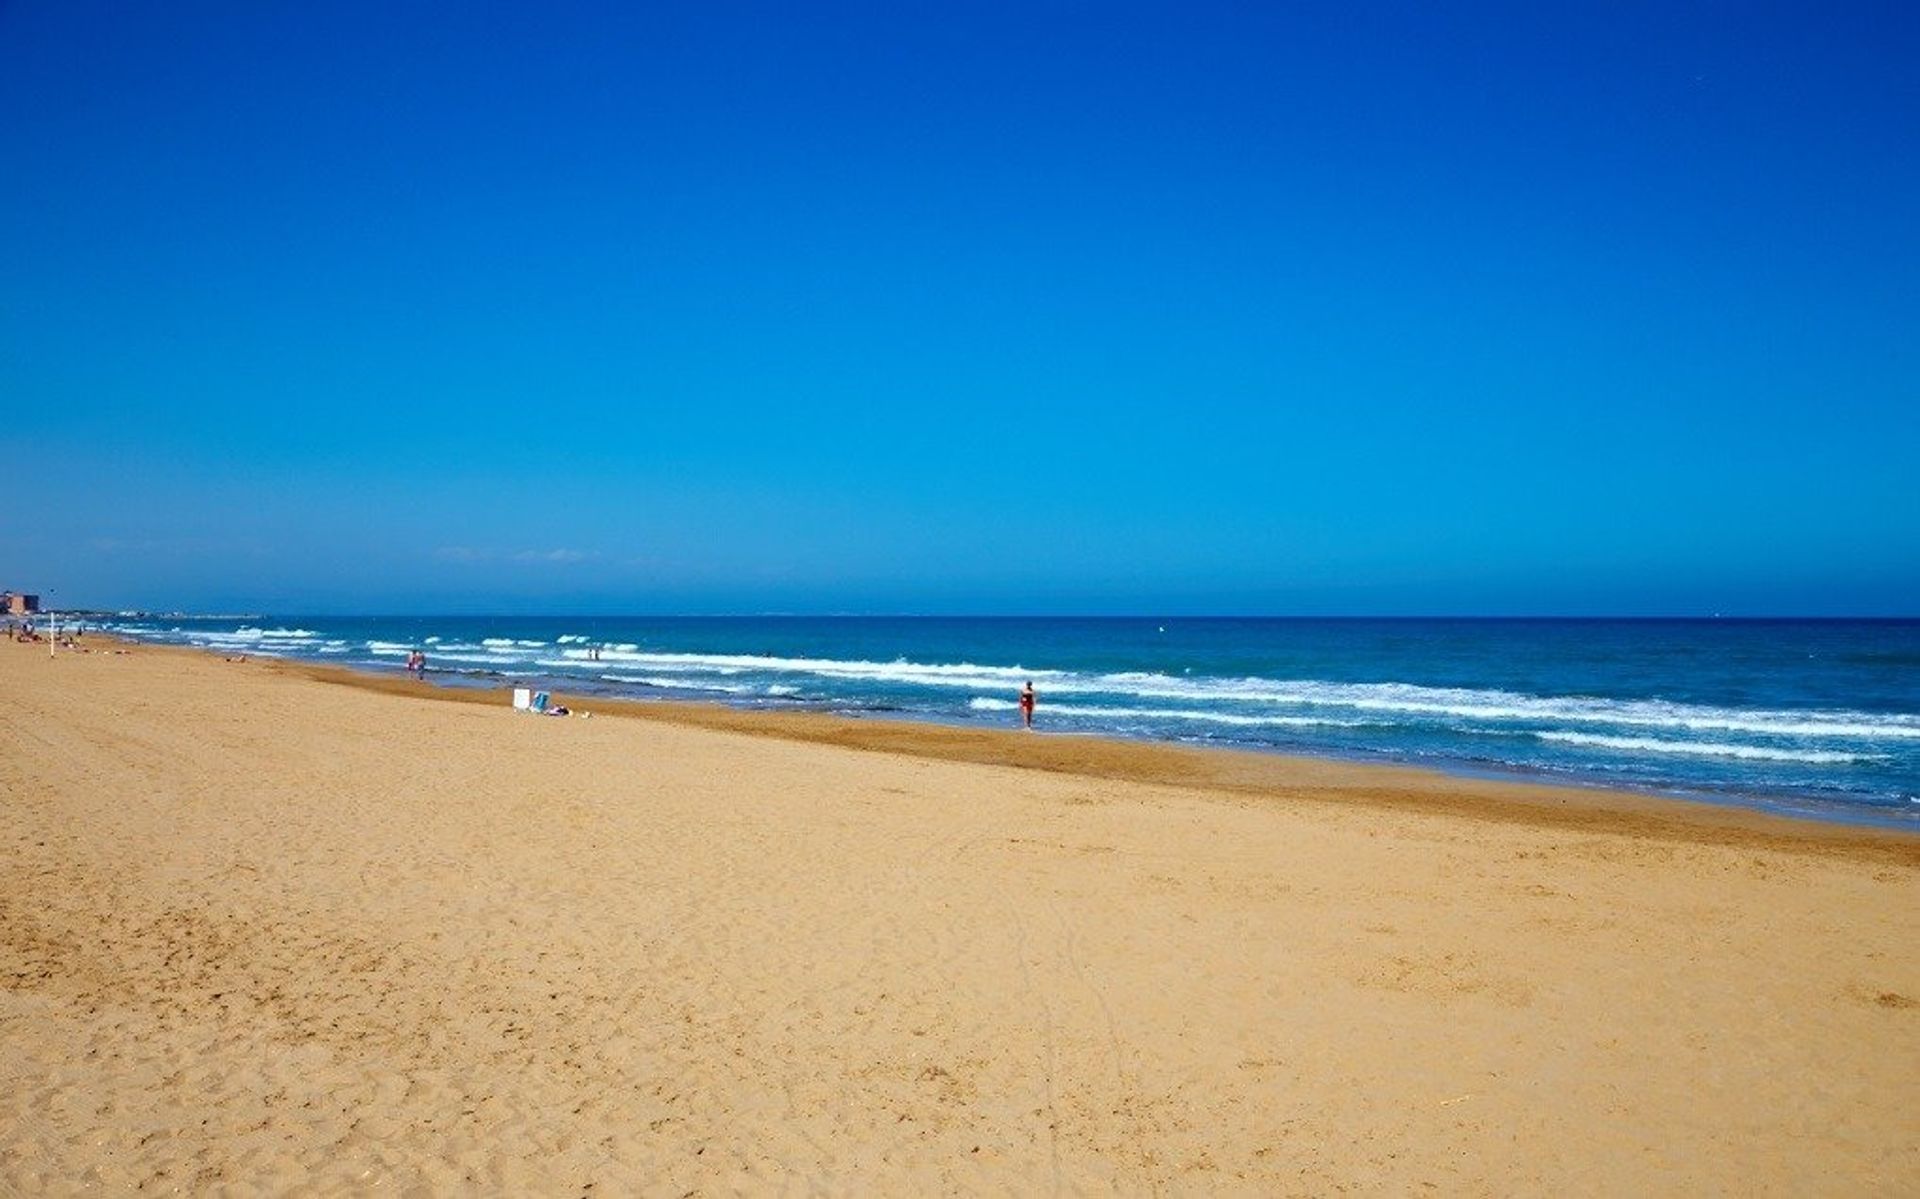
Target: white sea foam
x: 1447, y: 702
x: 1442, y: 703
x: 963, y: 675
x: 680, y: 684
x: 471, y: 659
x: 1707, y: 749
x: 508, y: 643
x: 289, y: 638
x: 983, y: 704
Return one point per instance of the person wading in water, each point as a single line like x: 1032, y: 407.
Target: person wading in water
x: 1026, y: 705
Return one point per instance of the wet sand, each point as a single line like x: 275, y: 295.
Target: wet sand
x: 264, y: 931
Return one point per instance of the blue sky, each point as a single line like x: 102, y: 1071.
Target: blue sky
x: 962, y: 308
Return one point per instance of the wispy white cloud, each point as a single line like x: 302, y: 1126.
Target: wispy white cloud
x: 559, y: 557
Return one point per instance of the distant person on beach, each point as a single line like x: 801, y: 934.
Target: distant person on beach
x: 417, y: 664
x: 1026, y: 705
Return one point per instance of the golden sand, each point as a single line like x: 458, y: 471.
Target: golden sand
x: 263, y: 932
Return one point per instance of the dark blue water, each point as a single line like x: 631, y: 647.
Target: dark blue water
x: 1815, y: 717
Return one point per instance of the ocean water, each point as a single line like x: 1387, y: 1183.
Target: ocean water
x: 1817, y: 718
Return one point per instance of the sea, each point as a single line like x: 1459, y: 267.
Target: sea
x: 1814, y: 718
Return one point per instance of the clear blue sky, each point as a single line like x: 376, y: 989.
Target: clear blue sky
x: 1355, y: 308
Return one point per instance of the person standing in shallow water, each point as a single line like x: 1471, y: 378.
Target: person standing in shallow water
x: 1026, y: 705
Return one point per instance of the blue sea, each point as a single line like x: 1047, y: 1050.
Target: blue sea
x: 1818, y: 718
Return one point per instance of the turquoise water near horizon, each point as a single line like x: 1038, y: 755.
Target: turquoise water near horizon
x: 1817, y: 718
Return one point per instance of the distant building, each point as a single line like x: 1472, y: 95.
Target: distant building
x: 18, y: 603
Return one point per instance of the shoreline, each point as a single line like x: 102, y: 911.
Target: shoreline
x: 1727, y: 739
x: 1245, y: 774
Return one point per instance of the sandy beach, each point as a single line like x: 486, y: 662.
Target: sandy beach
x: 261, y: 931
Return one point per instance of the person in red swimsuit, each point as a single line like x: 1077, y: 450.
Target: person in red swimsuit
x: 1026, y: 705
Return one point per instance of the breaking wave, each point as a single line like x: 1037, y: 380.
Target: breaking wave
x: 1707, y: 749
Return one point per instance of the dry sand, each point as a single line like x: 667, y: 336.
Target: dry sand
x: 260, y: 932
